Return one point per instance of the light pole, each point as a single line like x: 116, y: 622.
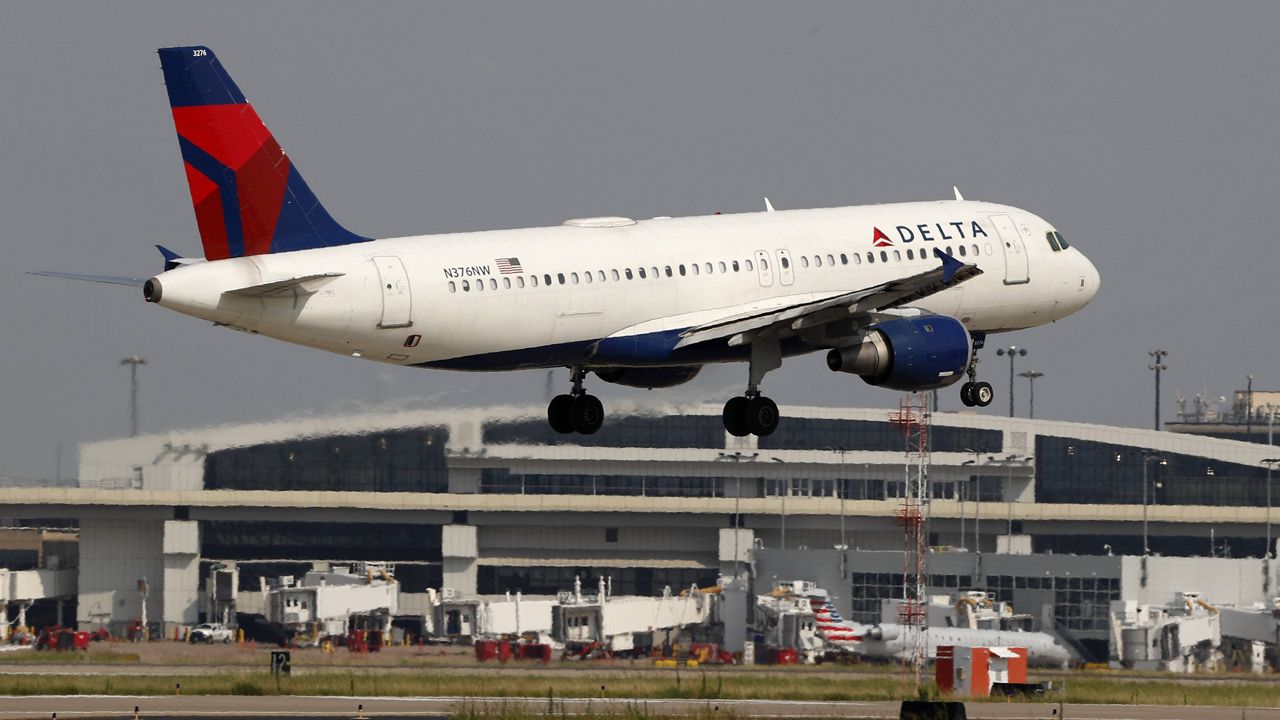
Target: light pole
x: 1157, y: 365
x: 1147, y: 459
x: 133, y: 362
x: 786, y: 488
x: 1270, y: 463
x: 736, y: 458
x: 1012, y: 351
x: 977, y: 498
x: 1031, y: 376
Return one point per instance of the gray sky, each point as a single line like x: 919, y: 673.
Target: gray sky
x: 1147, y: 132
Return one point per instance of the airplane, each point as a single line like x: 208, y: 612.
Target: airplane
x: 902, y: 295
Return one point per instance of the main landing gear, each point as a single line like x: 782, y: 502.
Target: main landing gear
x: 576, y: 412
x: 753, y: 413
x: 974, y: 393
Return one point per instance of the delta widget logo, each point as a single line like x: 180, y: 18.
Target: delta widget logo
x: 879, y: 239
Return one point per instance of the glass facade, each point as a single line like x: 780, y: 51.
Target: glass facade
x: 1131, y: 544
x: 393, y: 461
x: 823, y: 434
x: 495, y: 580
x: 676, y: 431
x: 503, y: 481
x: 260, y: 540
x: 1069, y: 470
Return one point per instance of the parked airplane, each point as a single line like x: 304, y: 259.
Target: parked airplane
x: 902, y: 295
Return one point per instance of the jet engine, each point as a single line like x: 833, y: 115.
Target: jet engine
x: 878, y: 632
x: 919, y: 353
x: 648, y: 377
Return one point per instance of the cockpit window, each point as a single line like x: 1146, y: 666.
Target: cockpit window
x: 1061, y: 240
x: 1056, y: 241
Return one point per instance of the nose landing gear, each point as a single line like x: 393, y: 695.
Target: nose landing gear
x: 577, y: 411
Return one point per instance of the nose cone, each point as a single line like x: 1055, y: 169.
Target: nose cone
x: 1091, y: 278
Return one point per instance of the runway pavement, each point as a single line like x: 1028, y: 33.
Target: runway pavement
x: 247, y: 708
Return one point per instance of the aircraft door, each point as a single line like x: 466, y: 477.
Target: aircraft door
x: 397, y: 303
x: 786, y: 272
x: 763, y: 270
x: 1015, y: 254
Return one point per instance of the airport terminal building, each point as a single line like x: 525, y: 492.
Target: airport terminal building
x: 489, y: 500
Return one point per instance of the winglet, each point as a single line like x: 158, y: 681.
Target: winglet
x: 768, y: 206
x: 950, y: 265
x: 170, y: 258
x: 956, y: 188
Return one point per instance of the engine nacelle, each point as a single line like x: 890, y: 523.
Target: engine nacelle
x: 878, y: 632
x: 919, y: 353
x: 648, y: 377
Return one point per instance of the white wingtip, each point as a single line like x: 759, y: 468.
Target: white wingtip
x: 768, y: 206
x: 957, y: 190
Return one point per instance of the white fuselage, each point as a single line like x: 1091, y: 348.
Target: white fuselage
x: 444, y: 300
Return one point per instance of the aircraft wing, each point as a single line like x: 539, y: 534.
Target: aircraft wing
x: 742, y: 329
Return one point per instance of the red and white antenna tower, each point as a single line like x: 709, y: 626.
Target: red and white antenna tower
x: 913, y: 420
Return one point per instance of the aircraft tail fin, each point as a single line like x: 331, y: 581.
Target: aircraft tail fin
x: 248, y: 196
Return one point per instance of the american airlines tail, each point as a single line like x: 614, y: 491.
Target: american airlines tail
x: 249, y: 198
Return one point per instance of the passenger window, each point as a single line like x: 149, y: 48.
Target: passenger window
x: 871, y: 257
x: 817, y: 261
x: 785, y: 263
x: 722, y: 268
x: 857, y: 259
x: 533, y: 281
x: 479, y: 286
x: 601, y: 272
x: 560, y: 277
x: 844, y: 259
x: 897, y: 255
x: 949, y: 252
x: 764, y: 264
x: 962, y: 251
x: 988, y: 248
x: 735, y: 266
x: 804, y: 261
x: 667, y: 269
x: 520, y: 282
x: 910, y: 254
x: 546, y: 279
x: 615, y: 275
x: 493, y: 284
x: 453, y: 288
x: 574, y: 277
x: 694, y: 268
x: 707, y: 268
x: 974, y: 250
x: 747, y: 264
x: 831, y: 259
x: 884, y: 256
x: 587, y: 276
x: 655, y: 273
x: 681, y: 268
x: 506, y: 283
x: 628, y: 273
x: 640, y: 272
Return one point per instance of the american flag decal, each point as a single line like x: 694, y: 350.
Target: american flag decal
x: 509, y: 266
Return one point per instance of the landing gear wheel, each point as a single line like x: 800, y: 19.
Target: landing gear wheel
x: 587, y: 414
x: 559, y: 414
x: 762, y: 416
x: 966, y: 394
x: 735, y: 417
x: 982, y: 394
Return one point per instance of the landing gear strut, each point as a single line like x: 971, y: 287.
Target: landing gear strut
x: 753, y: 413
x: 576, y: 412
x: 973, y: 392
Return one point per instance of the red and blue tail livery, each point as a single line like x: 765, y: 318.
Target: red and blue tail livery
x: 249, y: 198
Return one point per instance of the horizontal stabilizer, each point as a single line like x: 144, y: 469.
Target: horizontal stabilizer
x: 107, y: 279
x: 291, y: 287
